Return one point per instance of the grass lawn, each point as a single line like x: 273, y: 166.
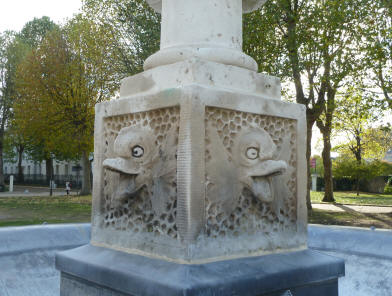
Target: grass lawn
x: 15, y: 211
x: 352, y: 198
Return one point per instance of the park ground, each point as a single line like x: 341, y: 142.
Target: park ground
x: 367, y: 210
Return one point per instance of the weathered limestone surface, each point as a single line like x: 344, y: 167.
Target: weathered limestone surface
x: 200, y: 160
x: 199, y: 171
x: 200, y: 72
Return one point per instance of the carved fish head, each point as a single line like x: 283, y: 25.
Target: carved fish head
x: 254, y: 152
x: 134, y: 148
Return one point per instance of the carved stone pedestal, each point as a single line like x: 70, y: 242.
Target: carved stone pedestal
x: 195, y: 172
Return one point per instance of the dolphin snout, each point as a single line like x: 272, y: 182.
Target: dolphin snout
x: 127, y: 182
x: 121, y: 165
x: 262, y: 175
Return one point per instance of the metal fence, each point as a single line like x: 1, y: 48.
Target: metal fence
x: 40, y: 179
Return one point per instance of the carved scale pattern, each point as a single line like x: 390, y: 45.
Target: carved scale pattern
x: 252, y: 215
x: 136, y: 214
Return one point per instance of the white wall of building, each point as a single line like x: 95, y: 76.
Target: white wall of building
x: 60, y: 168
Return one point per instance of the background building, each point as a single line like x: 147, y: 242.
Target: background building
x: 35, y: 172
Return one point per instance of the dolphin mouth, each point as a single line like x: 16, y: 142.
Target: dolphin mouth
x: 263, y: 176
x: 127, y: 182
x: 125, y: 190
x: 120, y: 165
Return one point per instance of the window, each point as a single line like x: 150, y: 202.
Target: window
x: 5, y: 170
x: 66, y: 170
x: 28, y: 170
x: 57, y: 169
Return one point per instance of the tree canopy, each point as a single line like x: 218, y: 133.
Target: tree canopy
x: 60, y: 82
x: 135, y: 26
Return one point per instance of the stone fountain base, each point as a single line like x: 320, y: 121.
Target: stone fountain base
x: 91, y: 270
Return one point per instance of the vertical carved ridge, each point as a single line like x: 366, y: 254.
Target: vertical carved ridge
x: 190, y: 170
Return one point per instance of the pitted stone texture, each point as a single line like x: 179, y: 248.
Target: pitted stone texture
x: 219, y: 206
x: 137, y: 214
x: 248, y: 213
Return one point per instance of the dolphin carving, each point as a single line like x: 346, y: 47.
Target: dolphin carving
x: 141, y: 162
x: 254, y: 153
x: 251, y: 164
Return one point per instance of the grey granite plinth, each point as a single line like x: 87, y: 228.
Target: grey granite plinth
x: 91, y: 270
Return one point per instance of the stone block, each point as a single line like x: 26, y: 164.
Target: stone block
x: 91, y: 271
x: 197, y: 174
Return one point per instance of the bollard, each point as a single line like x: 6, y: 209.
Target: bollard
x: 11, y: 183
x: 314, y: 182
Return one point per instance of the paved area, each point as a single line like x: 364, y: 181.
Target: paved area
x: 34, y: 191
x: 355, y: 208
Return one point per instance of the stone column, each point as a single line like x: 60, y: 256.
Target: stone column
x: 199, y: 174
x: 206, y: 29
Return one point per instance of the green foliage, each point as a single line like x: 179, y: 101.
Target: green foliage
x: 60, y: 82
x: 374, y: 142
x: 378, y: 46
x: 306, y: 42
x: 377, y: 142
x: 355, y: 114
x: 6, y: 87
x: 350, y: 168
x: 35, y: 31
x: 16, y: 51
x: 133, y: 27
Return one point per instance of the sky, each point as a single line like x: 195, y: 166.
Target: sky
x: 15, y: 13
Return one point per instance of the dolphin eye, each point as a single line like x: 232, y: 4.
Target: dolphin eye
x: 137, y: 151
x: 252, y: 153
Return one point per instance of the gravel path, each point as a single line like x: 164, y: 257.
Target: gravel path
x: 360, y: 209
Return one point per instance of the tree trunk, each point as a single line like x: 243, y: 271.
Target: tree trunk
x: 358, y: 177
x: 328, y: 193
x: 20, y: 168
x: 357, y: 185
x: 86, y: 181
x: 358, y: 156
x: 49, y: 169
x: 308, y: 155
x: 1, y: 165
x: 326, y: 130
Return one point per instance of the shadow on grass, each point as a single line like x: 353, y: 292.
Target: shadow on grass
x: 376, y: 217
